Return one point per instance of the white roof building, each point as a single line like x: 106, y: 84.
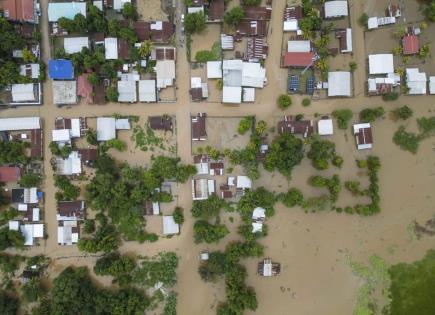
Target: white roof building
x: 73, y: 45
x: 68, y: 10
x: 65, y: 234
x: 248, y: 95
x: 381, y: 64
x: 244, y: 182
x: 431, y: 85
x: 299, y: 46
x: 61, y: 135
x: 30, y: 232
x: 334, y: 9
x: 348, y: 41
x: 202, y: 188
x: 70, y: 166
x: 118, y: 5
x: 227, y: 42
x: 339, y: 83
x: 106, y: 128
x: 325, y: 127
x: 20, y: 123
x: 214, y: 69
x: 169, y: 225
x: 258, y: 217
x: 147, y: 91
x: 290, y: 25
x: 122, y: 124
x: 195, y: 9
x: 36, y: 214
x: 34, y: 69
x: 64, y: 92
x: 253, y: 75
x: 23, y: 92
x: 165, y: 71
x: 127, y: 92
x: 232, y: 94
x: 14, y: 225
x: 416, y: 81
x: 111, y: 48
x: 75, y: 128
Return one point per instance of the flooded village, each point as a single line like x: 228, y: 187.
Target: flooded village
x: 215, y: 157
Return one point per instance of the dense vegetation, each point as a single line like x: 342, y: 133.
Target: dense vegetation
x: 369, y: 115
x: 194, y: 22
x: 410, y: 141
x: 321, y: 152
x: 343, y: 117
x: 13, y: 152
x: 234, y: 16
x: 284, y: 101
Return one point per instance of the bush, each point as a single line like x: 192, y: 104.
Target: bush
x: 321, y: 151
x: 194, y: 22
x: 363, y: 19
x: 292, y: 198
x: 284, y: 101
x: 252, y: 2
x: 209, y: 233
x: 392, y: 96
x: 318, y: 181
x: 178, y: 215
x: 306, y: 102
x: 112, y: 94
x: 30, y: 180
x: 343, y: 117
x: 353, y: 66
x: 426, y: 126
x: 361, y: 163
x: 91, y: 137
x: 89, y: 226
x: 407, y: 141
x: 369, y: 115
x: 245, y: 124
x: 354, y: 187
x: 403, y: 112
x: 337, y: 161
x: 234, y: 16
x: 203, y: 56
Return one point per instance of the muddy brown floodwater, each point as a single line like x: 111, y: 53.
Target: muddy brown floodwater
x: 315, y: 279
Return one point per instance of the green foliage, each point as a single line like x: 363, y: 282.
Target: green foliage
x: 429, y: 10
x: 9, y: 264
x: 13, y: 152
x: 215, y: 53
x: 9, y: 214
x: 209, y: 233
x: 234, y: 16
x: 256, y: 198
x: 160, y: 268
x: 363, y: 19
x: 209, y: 208
x: 261, y: 127
x: 245, y: 124
x: 321, y: 152
x: 252, y: 2
x: 89, y: 226
x: 403, y: 112
x: 343, y: 117
x: 353, y: 66
x: 318, y: 181
x: 293, y: 197
x: 426, y: 126
x: 407, y: 141
x: 68, y: 191
x: 285, y: 152
x: 8, y: 303
x: 369, y: 115
x: 215, y: 267
x: 112, y: 94
x: 167, y: 168
x: 91, y: 137
x: 171, y: 305
x: 178, y: 215
x: 115, y: 144
x: 30, y: 180
x: 129, y: 11
x: 392, y: 96
x: 284, y: 101
x: 337, y: 161
x: 361, y: 163
x: 354, y: 187
x: 32, y: 290
x: 194, y: 22
x: 105, y: 239
x: 9, y: 238
x: 118, y: 266
x: 306, y: 102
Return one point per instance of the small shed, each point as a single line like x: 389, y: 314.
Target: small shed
x: 335, y: 9
x: 169, y: 225
x: 73, y: 45
x: 106, y: 128
x: 325, y: 127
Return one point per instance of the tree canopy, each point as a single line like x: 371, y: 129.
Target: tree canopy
x: 194, y: 22
x: 234, y: 16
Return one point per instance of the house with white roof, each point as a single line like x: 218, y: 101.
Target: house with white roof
x: 363, y: 136
x: 165, y: 72
x: 202, y: 188
x: 61, y: 135
x: 67, y: 232
x: 335, y: 9
x: 32, y: 232
x: 381, y: 64
x: 416, y: 81
x: 26, y: 94
x: 73, y: 45
x: 118, y: 5
x: 20, y: 123
x: 298, y: 46
x: 106, y: 128
x: 325, y: 127
x: 147, y: 91
x: 127, y: 91
x: 339, y: 83
x: 69, y: 166
x: 170, y: 227
x: 258, y: 217
x: 432, y: 85
x: 111, y: 48
x: 64, y: 92
x: 214, y: 69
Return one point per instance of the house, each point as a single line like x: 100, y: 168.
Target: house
x: 67, y: 232
x: 70, y: 210
x: 216, y: 11
x: 252, y: 28
x: 295, y: 127
x: 257, y: 13
x: 227, y: 42
x: 20, y: 11
x: 202, y: 188
x: 99, y: 94
x: 32, y: 232
x: 325, y: 127
x: 165, y: 72
x: 73, y: 45
x: 410, y: 44
x: 111, y: 48
x: 248, y: 95
x: 152, y: 208
x: 416, y: 81
x: 432, y: 85
x: 381, y: 86
x: 61, y: 135
x: 118, y: 5
x: 24, y: 195
x: 232, y: 94
x: 106, y: 128
x: 9, y: 174
x: 195, y: 9
x: 198, y: 90
x: 163, y: 53
x: 344, y: 37
x: 122, y: 124
x: 123, y: 49
x: 88, y: 156
x: 258, y: 217
x: 147, y: 91
x: 169, y: 225
x: 216, y: 168
x: 339, y: 83
x: 335, y: 9
x: 20, y: 123
x: 60, y: 69
x: 256, y: 49
x: 64, y: 92
x: 292, y: 15
x: 267, y: 268
x: 161, y: 31
x: 381, y: 64
x: 298, y: 59
x: 14, y: 225
x: 69, y: 166
x: 201, y: 163
x: 363, y: 136
x: 375, y: 22
x: 84, y: 88
x: 242, y: 184
x: 199, y: 132
x: 32, y: 214
x: 30, y: 70
x: 26, y: 94
x: 69, y: 10
x: 36, y: 143
x: 160, y: 123
x: 75, y: 126
x: 214, y: 69
x: 127, y: 91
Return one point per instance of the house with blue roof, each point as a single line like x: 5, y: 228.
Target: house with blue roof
x: 60, y: 69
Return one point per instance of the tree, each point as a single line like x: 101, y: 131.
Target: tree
x: 252, y: 2
x: 194, y: 22
x: 407, y: 141
x: 10, y: 238
x: 30, y: 180
x: 129, y: 11
x: 13, y: 152
x: 363, y: 19
x: 306, y: 102
x: 353, y: 66
x: 89, y: 226
x: 112, y: 94
x: 32, y: 290
x: 252, y: 199
x: 167, y: 168
x: 371, y: 114
x: 128, y: 34
x: 91, y: 137
x: 209, y: 208
x: 234, y: 16
x: 9, y: 38
x: 95, y: 20
x: 321, y: 151
x: 403, y: 112
x: 9, y: 73
x: 261, y: 127
x: 8, y: 304
x: 178, y: 215
x: 94, y: 79
x: 115, y: 265
x: 68, y: 191
x: 343, y: 116
x: 429, y: 11
x: 293, y: 197
x: 284, y: 101
x: 392, y: 96
x: 214, y: 267
x: 209, y: 233
x: 145, y: 49
x: 245, y: 124
x: 160, y: 268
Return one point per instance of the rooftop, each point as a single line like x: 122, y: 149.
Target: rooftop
x: 411, y: 44
x: 61, y: 69
x: 64, y: 92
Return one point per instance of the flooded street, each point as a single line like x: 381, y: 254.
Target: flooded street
x: 315, y: 279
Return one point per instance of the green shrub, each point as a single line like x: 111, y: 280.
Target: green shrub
x: 403, y: 112
x: 284, y: 101
x: 343, y: 117
x: 318, y: 181
x: 353, y: 66
x: 361, y: 163
x: 392, y: 96
x: 337, y: 161
x: 363, y: 19
x: 306, y: 102
x: 245, y: 124
x: 369, y: 115
x: 407, y: 141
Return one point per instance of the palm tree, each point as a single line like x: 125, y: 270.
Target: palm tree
x: 145, y: 48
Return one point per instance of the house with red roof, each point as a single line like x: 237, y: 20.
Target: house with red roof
x: 298, y: 59
x: 20, y: 11
x: 9, y: 174
x: 410, y: 44
x: 84, y: 88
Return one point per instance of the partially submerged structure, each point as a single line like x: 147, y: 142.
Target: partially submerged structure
x: 295, y: 127
x: 363, y: 136
x: 267, y: 268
